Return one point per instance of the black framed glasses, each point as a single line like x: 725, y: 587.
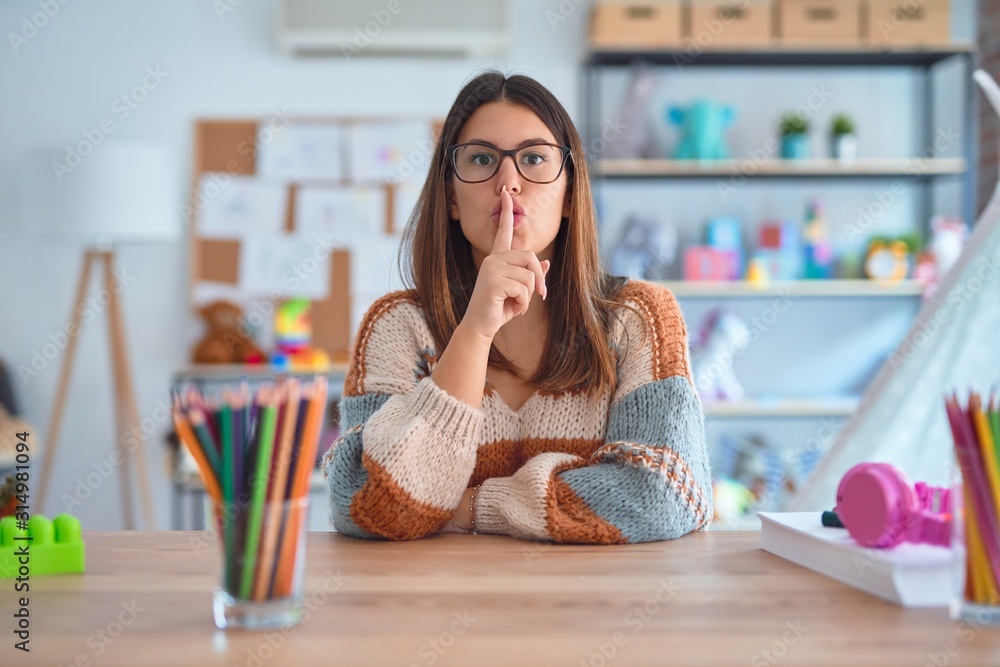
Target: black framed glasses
x: 538, y: 163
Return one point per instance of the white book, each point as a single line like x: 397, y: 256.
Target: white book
x: 911, y: 575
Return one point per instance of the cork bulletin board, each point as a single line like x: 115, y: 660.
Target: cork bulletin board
x: 385, y: 159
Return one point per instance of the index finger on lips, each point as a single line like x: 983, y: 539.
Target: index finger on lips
x: 505, y: 231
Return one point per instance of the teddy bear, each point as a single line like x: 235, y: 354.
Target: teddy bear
x: 225, y: 341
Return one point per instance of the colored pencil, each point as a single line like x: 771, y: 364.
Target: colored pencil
x: 228, y: 488
x: 198, y: 421
x: 276, y: 493
x: 300, y: 488
x: 258, y: 486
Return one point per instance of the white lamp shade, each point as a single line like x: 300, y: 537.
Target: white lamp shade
x: 119, y: 192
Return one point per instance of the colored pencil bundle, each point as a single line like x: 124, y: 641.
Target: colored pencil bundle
x: 255, y: 456
x: 976, y: 431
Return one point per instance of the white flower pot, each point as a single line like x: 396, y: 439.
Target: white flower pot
x: 844, y: 147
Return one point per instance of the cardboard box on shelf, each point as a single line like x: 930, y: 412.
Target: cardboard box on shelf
x: 909, y: 22
x: 820, y: 22
x: 651, y: 24
x: 719, y: 24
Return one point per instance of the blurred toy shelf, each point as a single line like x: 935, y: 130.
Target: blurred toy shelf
x: 784, y: 408
x: 797, y: 288
x: 798, y: 168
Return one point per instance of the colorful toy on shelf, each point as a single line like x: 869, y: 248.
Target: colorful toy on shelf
x: 947, y: 240
x: 757, y: 273
x: 54, y: 547
x: 705, y: 263
x: 703, y: 126
x: 758, y: 466
x: 722, y: 334
x: 292, y: 338
x: 780, y: 247
x: 887, y: 260
x: 227, y: 340
x: 731, y: 499
x: 818, y: 256
x: 646, y: 249
x: 724, y: 233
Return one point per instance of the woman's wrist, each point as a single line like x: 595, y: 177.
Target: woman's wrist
x: 461, y: 370
x: 464, y: 515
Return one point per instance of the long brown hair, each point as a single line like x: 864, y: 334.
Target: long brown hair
x: 436, y: 258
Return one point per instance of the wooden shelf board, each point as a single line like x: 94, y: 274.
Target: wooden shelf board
x: 830, y: 407
x: 802, y: 288
x: 872, y: 167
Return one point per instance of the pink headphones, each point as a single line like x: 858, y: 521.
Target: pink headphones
x: 879, y: 508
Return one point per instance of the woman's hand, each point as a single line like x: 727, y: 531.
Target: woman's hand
x: 507, y: 278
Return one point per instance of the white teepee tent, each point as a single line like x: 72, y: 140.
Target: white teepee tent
x: 953, y: 345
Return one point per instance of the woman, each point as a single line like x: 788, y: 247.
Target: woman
x: 473, y: 401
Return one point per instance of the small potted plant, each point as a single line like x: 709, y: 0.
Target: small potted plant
x: 843, y: 141
x: 794, y: 136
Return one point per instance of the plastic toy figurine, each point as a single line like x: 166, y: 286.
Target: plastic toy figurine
x: 53, y: 547
x: 703, y: 127
x: 646, y: 249
x: 721, y: 335
x: 818, y: 256
x: 947, y: 240
x: 292, y: 336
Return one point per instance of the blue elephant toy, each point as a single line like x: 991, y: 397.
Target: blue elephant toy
x: 703, y: 125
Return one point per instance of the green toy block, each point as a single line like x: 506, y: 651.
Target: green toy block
x: 54, y: 546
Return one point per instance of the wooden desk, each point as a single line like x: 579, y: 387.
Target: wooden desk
x: 705, y: 599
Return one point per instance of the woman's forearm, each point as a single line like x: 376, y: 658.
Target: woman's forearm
x: 461, y: 370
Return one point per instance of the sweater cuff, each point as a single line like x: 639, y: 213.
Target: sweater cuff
x: 491, y: 496
x: 445, y: 413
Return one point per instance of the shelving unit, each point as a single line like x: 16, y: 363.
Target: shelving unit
x: 924, y: 169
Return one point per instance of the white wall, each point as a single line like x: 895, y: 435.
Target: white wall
x: 63, y: 82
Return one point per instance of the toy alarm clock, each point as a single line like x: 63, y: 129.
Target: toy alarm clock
x: 879, y: 508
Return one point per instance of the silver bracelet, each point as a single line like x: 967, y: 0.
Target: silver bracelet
x: 472, y: 509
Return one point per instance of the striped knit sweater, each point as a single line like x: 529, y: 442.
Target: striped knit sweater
x: 626, y: 466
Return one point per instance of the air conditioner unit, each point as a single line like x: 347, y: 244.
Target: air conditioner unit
x: 459, y: 28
